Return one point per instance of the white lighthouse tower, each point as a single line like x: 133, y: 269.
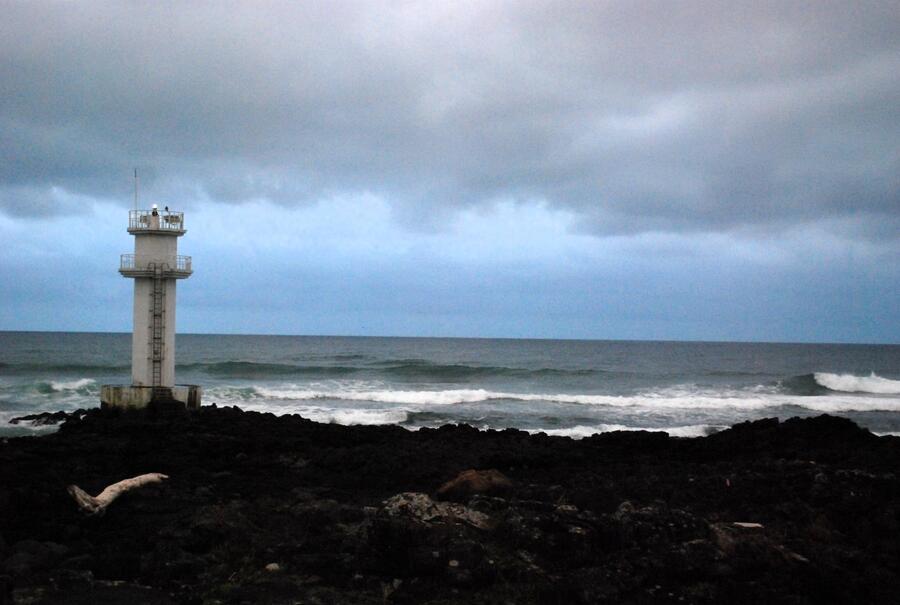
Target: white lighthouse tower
x: 156, y: 268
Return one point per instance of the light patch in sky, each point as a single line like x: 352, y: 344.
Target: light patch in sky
x: 343, y: 266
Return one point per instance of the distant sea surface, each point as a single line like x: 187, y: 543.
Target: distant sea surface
x: 573, y: 388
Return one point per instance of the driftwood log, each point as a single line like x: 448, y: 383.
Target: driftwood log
x: 96, y: 505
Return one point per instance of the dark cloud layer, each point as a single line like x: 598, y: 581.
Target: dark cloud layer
x: 635, y: 115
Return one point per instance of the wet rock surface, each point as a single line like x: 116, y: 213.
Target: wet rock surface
x: 47, y: 418
x: 260, y: 509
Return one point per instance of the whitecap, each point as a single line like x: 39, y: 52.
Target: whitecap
x: 848, y: 383
x: 72, y: 385
x: 399, y: 397
x: 675, y: 398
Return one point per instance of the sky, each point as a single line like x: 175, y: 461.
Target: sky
x: 599, y: 170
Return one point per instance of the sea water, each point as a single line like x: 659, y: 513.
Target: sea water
x: 569, y: 387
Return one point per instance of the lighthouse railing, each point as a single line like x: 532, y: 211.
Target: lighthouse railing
x: 163, y: 220
x: 137, y: 262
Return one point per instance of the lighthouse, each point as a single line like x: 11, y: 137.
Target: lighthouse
x: 155, y: 268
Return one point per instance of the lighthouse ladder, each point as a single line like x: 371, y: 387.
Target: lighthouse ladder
x: 157, y: 326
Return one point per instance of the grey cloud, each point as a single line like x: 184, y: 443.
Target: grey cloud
x: 635, y: 115
x: 30, y: 202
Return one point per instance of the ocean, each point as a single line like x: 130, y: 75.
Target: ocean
x: 560, y: 387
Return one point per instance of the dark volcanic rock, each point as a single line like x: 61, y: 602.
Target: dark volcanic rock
x: 29, y: 556
x: 47, y: 418
x: 282, y: 510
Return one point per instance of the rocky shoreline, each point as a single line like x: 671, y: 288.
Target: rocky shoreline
x: 265, y: 509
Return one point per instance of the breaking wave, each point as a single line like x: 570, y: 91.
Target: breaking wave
x: 83, y: 386
x: 804, y: 385
x: 823, y: 383
x: 398, y: 397
x: 683, y: 398
x: 848, y: 383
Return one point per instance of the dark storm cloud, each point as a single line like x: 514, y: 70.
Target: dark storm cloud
x: 635, y: 115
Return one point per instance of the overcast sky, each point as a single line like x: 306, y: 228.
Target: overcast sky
x: 653, y: 170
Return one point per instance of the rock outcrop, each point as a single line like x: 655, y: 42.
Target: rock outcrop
x: 284, y: 510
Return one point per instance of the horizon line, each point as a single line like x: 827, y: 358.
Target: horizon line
x: 550, y: 339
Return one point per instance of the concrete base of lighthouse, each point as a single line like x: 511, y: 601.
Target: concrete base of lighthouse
x: 130, y: 397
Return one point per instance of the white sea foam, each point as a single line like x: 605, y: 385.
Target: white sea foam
x: 849, y: 383
x: 72, y: 385
x: 581, y: 431
x: 333, y: 415
x: 351, y: 417
x: 683, y: 398
x: 380, y: 396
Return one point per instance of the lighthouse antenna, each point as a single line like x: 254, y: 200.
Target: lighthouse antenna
x: 135, y: 189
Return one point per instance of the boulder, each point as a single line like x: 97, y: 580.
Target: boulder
x: 421, y: 508
x: 471, y: 482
